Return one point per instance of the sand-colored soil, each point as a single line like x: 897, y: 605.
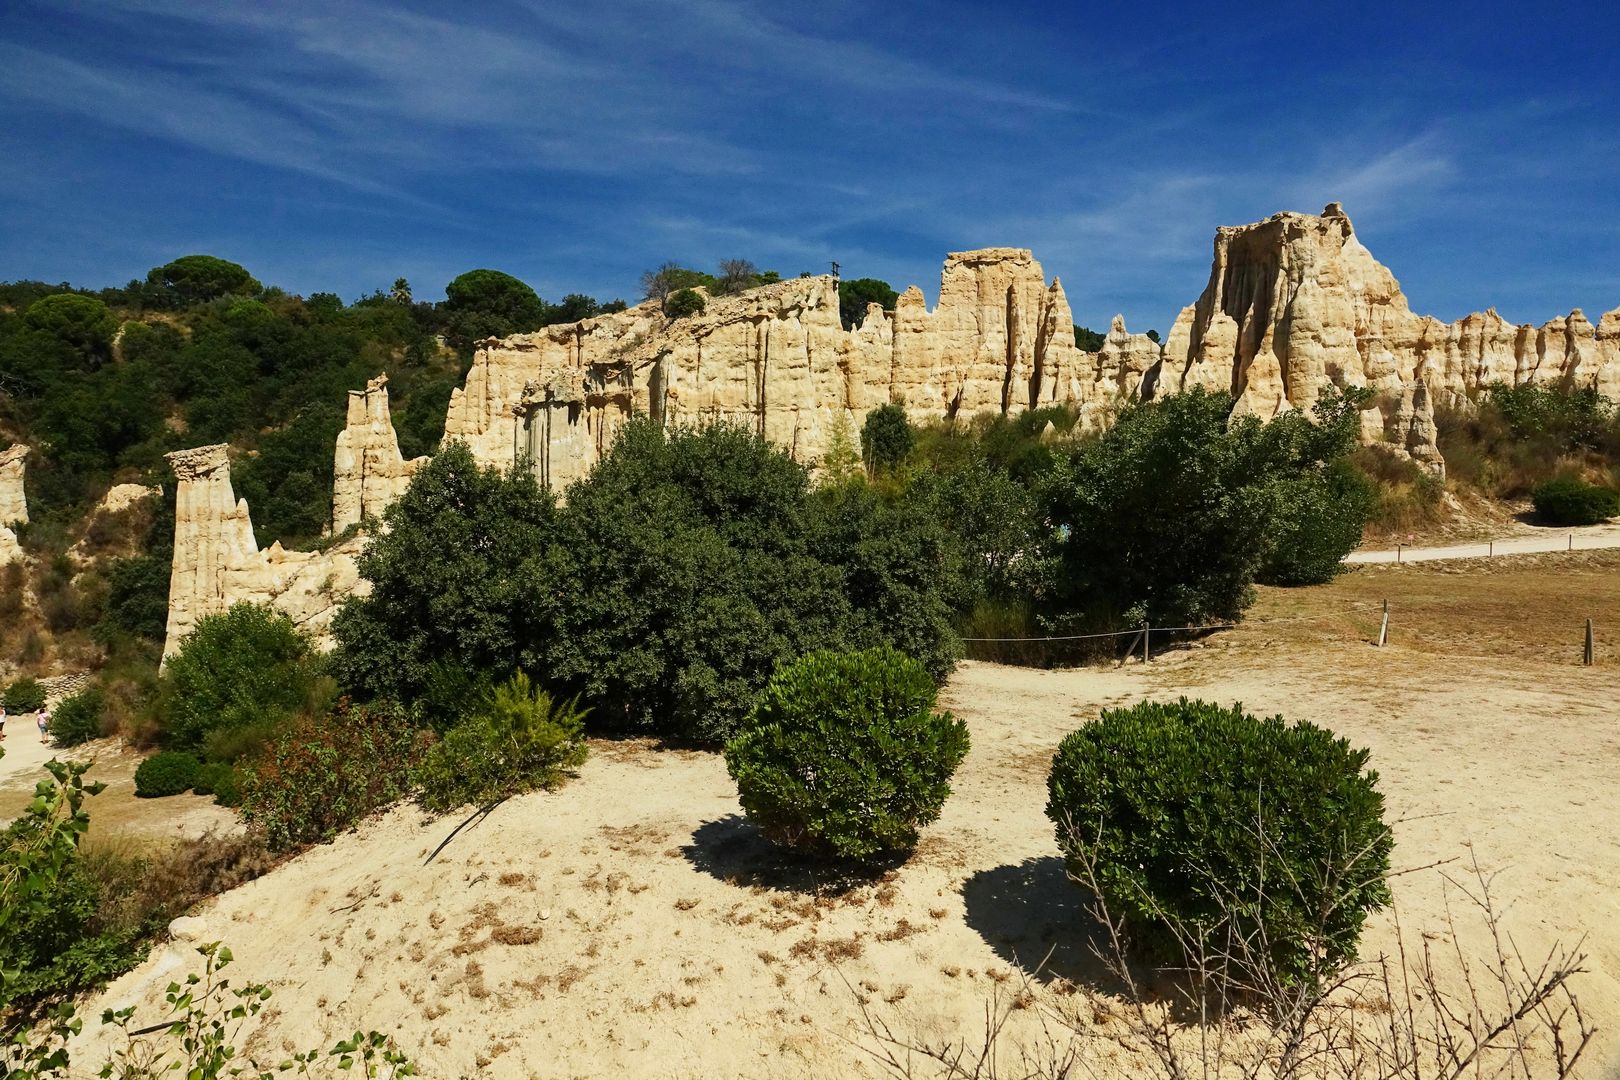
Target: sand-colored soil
x: 632, y: 924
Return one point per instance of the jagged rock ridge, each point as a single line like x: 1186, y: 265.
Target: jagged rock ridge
x: 1293, y: 304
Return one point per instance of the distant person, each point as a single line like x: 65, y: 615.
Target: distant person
x: 43, y: 718
x: 2, y: 723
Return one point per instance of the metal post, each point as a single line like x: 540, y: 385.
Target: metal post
x: 1587, y: 656
x: 1383, y: 631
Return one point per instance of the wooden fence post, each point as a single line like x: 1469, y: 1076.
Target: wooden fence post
x: 1397, y: 552
x: 1586, y: 657
x: 1147, y: 633
x: 1383, y: 631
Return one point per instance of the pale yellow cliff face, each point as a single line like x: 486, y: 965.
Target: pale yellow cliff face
x: 13, y: 506
x: 368, y: 473
x: 1296, y: 302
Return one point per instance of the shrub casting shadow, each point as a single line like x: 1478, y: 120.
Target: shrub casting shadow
x: 1035, y: 919
x: 734, y: 851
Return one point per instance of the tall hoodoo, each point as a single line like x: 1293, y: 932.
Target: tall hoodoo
x: 13, y: 503
x: 217, y: 561
x: 368, y: 471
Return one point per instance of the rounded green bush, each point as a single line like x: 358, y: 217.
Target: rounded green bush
x: 845, y: 757
x: 171, y: 772
x: 210, y: 776
x: 1193, y: 821
x: 78, y: 719
x: 683, y: 302
x: 23, y: 696
x: 1572, y: 501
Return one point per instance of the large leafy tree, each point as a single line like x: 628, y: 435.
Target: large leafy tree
x: 194, y: 279
x: 690, y: 578
x: 1169, y: 517
x: 490, y: 303
x: 458, y: 585
x: 855, y: 295
x: 83, y: 323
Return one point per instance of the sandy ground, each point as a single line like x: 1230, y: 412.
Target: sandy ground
x: 633, y: 924
x: 116, y: 811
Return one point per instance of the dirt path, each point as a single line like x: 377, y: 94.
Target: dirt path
x: 1584, y: 538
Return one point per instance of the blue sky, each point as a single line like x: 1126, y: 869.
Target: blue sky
x: 334, y: 145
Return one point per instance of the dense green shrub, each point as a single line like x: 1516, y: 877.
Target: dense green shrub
x: 24, y: 695
x: 845, y: 756
x: 1204, y: 821
x: 210, y: 776
x: 248, y: 669
x: 77, y: 719
x: 855, y: 295
x: 168, y: 772
x: 886, y: 438
x: 683, y: 302
x: 1171, y: 514
x: 325, y: 773
x: 1569, y: 500
x: 459, y: 587
x: 519, y: 740
x: 1317, y: 519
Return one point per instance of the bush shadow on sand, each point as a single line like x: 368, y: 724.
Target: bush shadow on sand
x: 1035, y: 919
x: 731, y: 849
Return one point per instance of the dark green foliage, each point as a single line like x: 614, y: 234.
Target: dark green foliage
x: 671, y: 278
x: 194, y: 279
x: 1169, y: 517
x: 1569, y: 418
x: 325, y: 773
x: 684, y: 302
x: 77, y: 719
x: 1519, y: 437
x: 683, y: 576
x: 886, y: 438
x: 1570, y: 500
x: 1088, y: 340
x: 24, y: 695
x: 854, y: 296
x: 168, y: 772
x: 219, y: 779
x: 992, y: 518
x: 81, y: 322
x: 457, y: 583
x: 246, y: 669
x: 489, y: 303
x: 844, y: 757
x: 903, y: 573
x: 518, y: 740
x: 1207, y: 820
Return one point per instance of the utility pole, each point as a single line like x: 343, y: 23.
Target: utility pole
x: 835, y: 269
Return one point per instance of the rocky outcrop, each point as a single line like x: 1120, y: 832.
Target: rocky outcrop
x: 217, y: 562
x: 1296, y: 302
x: 368, y: 472
x: 121, y: 497
x: 13, y: 503
x: 778, y: 360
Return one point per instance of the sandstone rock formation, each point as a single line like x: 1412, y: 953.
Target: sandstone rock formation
x: 1296, y: 302
x: 1293, y: 304
x: 217, y: 562
x: 368, y: 472
x: 121, y: 497
x: 778, y: 359
x: 13, y: 504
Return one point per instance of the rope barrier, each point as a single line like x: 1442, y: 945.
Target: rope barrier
x: 1113, y: 633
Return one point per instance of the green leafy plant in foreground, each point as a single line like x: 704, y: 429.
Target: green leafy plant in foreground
x: 1200, y: 824
x: 517, y: 740
x: 845, y: 756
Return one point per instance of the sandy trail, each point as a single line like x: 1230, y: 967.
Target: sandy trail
x: 633, y: 924
x: 1583, y: 538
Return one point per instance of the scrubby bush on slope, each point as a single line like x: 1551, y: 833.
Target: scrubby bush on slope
x: 519, y: 740
x: 1196, y: 822
x: 845, y: 756
x: 77, y: 719
x: 325, y: 773
x: 24, y: 695
x: 1569, y: 500
x: 168, y: 772
x: 238, y: 676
